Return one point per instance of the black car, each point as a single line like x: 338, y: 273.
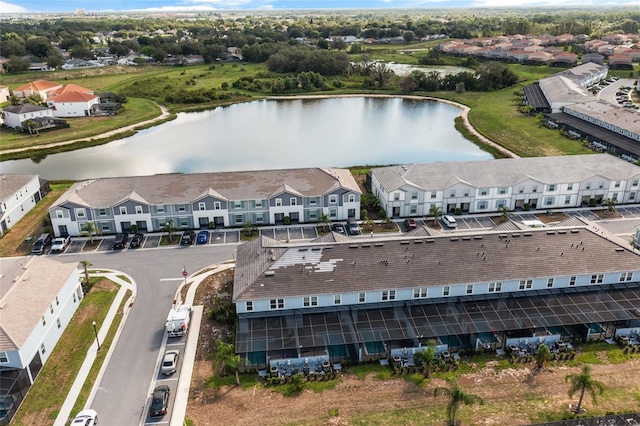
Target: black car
x: 338, y: 227
x: 41, y: 244
x: 136, y: 241
x: 188, y: 238
x: 159, y: 401
x: 120, y: 242
x: 353, y: 228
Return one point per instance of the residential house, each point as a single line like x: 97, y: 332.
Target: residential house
x: 4, y: 94
x: 364, y: 300
x: 38, y: 297
x: 80, y: 63
x: 38, y: 87
x: 620, y: 61
x: 15, y: 115
x: 596, y: 58
x: 73, y: 104
x: 564, y: 59
x: 515, y: 183
x: 18, y: 195
x: 207, y: 200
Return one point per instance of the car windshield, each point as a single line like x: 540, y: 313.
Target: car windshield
x: 168, y: 362
x: 156, y: 404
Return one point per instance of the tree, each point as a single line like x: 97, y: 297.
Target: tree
x: 89, y: 230
x: 504, y: 210
x: 324, y: 220
x: 249, y: 228
x: 584, y: 383
x: 382, y: 75
x: 32, y: 126
x: 426, y: 358
x: 85, y: 265
x: 610, y: 204
x: 17, y: 64
x: 543, y: 354
x: 436, y: 212
x: 226, y: 359
x: 456, y: 397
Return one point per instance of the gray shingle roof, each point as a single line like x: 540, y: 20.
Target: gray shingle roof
x: 406, y: 262
x: 179, y: 188
x: 10, y: 184
x: 505, y: 172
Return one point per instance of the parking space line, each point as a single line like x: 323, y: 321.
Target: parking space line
x: 168, y: 379
x: 175, y: 344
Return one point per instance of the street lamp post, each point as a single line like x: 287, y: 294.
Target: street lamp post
x: 95, y: 330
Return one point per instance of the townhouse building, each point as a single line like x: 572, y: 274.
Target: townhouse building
x: 38, y: 297
x: 18, y: 195
x: 206, y: 200
x: 514, y: 183
x: 364, y: 299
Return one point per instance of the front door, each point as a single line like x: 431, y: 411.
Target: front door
x: 396, y: 212
x: 142, y: 226
x: 219, y: 221
x: 295, y: 217
x: 62, y: 230
x: 204, y: 222
x: 125, y: 227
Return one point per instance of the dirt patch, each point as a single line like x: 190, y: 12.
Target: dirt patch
x: 104, y: 285
x: 606, y: 214
x: 551, y: 217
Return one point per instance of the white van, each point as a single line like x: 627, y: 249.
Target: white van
x: 449, y: 221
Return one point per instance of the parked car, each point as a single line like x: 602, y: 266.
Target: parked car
x: 339, y: 228
x: 203, y: 237
x: 85, y: 418
x: 120, y: 242
x: 449, y: 221
x: 136, y: 241
x: 410, y: 224
x: 170, y: 362
x: 60, y: 244
x: 40, y: 245
x: 353, y: 228
x: 159, y: 401
x: 188, y: 237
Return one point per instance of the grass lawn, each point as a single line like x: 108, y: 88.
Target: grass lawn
x: 45, y: 398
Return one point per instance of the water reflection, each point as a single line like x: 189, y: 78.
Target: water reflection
x: 336, y: 132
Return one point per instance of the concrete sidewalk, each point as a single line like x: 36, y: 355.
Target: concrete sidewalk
x: 76, y: 388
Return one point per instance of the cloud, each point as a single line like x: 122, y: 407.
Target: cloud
x: 11, y: 8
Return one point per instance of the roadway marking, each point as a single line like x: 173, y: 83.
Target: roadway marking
x: 157, y: 423
x: 171, y: 279
x: 167, y: 380
x: 174, y: 344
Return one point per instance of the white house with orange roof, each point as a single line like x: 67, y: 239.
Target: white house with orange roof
x: 38, y: 87
x: 72, y: 104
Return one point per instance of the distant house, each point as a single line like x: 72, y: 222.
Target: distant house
x: 80, y: 63
x: 15, y: 115
x: 620, y: 61
x: 193, y: 59
x: 38, y: 87
x: 565, y: 59
x: 18, y: 195
x: 4, y: 94
x: 596, y: 58
x: 38, y: 296
x: 40, y: 66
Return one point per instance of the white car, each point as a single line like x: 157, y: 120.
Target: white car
x: 85, y: 418
x: 60, y: 244
x: 170, y: 362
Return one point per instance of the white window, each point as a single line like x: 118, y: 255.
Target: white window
x: 57, y: 301
x: 420, y: 293
x: 389, y: 295
x: 202, y: 206
x: 51, y: 308
x: 337, y: 299
x: 237, y: 204
x: 549, y: 282
x: 160, y: 209
x: 572, y: 280
x: 248, y: 306
x: 525, y: 284
x: 570, y: 187
x: 238, y: 218
x: 396, y: 197
x: 600, y: 184
x: 216, y: 205
x: 352, y: 198
x: 313, y: 201
x: 276, y: 303
x: 313, y: 214
x: 616, y: 184
x: 58, y: 323
x: 452, y: 193
x: 59, y: 214
x: 626, y: 276
x: 484, y: 191
x: 597, y: 279
x: 413, y: 209
x: 567, y: 199
x: 414, y: 195
x: 446, y: 290
x: 614, y: 197
x: 548, y: 201
x: 521, y: 189
x: 74, y: 298
x: 503, y: 190
x: 123, y: 210
x: 258, y: 203
x: 310, y: 301
x: 44, y: 321
x: 535, y: 188
x: 3, y: 357
x: 138, y: 209
x: 362, y: 297
x: 495, y: 287
x: 259, y: 219
x: 333, y: 199
x: 105, y: 226
x: 482, y: 205
x: 632, y: 196
x: 588, y: 185
x: 293, y: 201
x: 80, y: 213
x: 552, y: 187
x: 102, y: 212
x: 278, y: 202
x: 333, y: 213
x: 466, y: 193
x: 43, y: 349
x: 469, y: 288
x: 635, y: 182
x: 434, y: 194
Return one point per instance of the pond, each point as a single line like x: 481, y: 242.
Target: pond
x: 274, y: 134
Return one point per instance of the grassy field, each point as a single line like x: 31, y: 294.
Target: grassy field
x: 45, y: 398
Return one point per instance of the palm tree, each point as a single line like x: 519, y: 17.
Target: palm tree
x: 456, y: 397
x: 227, y: 358
x: 505, y: 211
x: 436, y: 212
x: 426, y: 357
x: 32, y: 126
x: 584, y: 383
x: 89, y: 230
x: 85, y: 264
x: 543, y: 354
x: 325, y: 221
x: 170, y: 229
x: 610, y: 204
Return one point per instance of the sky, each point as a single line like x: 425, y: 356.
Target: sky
x: 58, y: 6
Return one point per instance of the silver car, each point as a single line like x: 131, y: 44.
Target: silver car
x: 170, y: 362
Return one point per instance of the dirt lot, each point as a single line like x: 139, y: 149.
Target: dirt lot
x: 514, y: 396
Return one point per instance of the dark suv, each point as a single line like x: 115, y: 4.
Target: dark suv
x: 120, y: 241
x: 41, y: 244
x: 187, y: 238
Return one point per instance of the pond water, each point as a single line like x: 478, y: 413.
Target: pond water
x: 274, y: 134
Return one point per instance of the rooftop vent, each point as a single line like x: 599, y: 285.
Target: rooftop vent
x: 477, y: 237
x: 619, y: 249
x: 316, y: 248
x: 353, y: 246
x: 365, y: 245
x: 378, y: 245
x: 562, y: 232
x: 328, y: 248
x: 466, y: 238
x: 404, y: 242
x: 575, y: 231
x: 453, y: 239
x: 551, y: 232
x: 429, y: 241
x: 418, y: 242
x: 515, y: 235
x: 527, y: 234
x: 269, y: 273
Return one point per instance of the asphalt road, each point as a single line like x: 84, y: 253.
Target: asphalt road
x: 124, y: 389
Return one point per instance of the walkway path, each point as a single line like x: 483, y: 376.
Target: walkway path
x: 76, y: 388
x: 165, y: 113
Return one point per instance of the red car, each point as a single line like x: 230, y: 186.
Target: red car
x: 411, y: 224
